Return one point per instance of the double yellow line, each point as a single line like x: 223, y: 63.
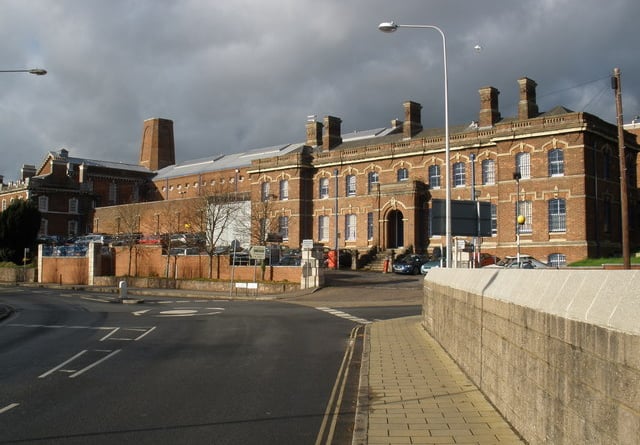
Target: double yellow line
x: 327, y: 430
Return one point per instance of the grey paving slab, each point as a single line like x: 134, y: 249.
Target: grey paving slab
x: 418, y: 395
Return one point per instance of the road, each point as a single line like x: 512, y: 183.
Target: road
x: 77, y: 368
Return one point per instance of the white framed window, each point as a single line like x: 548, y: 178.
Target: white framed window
x: 283, y: 227
x: 284, y: 190
x: 73, y: 205
x: 557, y: 259
x: 523, y: 165
x: 72, y: 228
x: 372, y: 179
x: 44, y: 227
x: 350, y: 227
x: 557, y: 215
x: 403, y: 174
x: 4, y: 205
x: 113, y: 193
x: 556, y: 162
x: 434, y: 176
x: 459, y: 174
x: 43, y: 203
x: 370, y: 226
x: 351, y: 185
x: 525, y: 208
x: 488, y: 172
x: 265, y: 191
x: 323, y: 228
x: 324, y: 188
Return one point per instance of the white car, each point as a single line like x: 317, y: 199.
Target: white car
x: 526, y: 262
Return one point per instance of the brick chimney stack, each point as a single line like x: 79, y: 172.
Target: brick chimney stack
x: 314, y: 132
x: 158, y: 148
x: 412, y: 119
x: 489, y: 110
x: 332, y: 136
x: 527, y: 107
x: 27, y: 171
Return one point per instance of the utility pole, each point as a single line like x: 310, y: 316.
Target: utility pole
x: 624, y: 200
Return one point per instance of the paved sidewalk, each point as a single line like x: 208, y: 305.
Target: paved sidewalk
x: 418, y: 395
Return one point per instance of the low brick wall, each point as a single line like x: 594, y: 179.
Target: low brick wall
x: 17, y: 274
x: 556, y: 351
x: 264, y: 288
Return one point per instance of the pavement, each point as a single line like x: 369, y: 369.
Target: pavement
x: 411, y: 391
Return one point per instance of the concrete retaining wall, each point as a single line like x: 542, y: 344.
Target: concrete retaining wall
x: 556, y: 351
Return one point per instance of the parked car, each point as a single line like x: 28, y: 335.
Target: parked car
x: 151, y: 239
x: 409, y: 264
x: 526, y: 262
x: 486, y: 259
x: 431, y: 264
x: 290, y: 260
x: 175, y: 251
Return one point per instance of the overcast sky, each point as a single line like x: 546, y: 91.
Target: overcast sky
x: 242, y: 74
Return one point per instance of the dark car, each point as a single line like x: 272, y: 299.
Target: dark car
x: 409, y: 264
x: 290, y: 260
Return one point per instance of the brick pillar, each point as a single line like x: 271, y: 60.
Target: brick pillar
x: 332, y: 135
x: 314, y: 133
x: 527, y: 107
x: 158, y: 148
x: 489, y: 110
x: 412, y: 119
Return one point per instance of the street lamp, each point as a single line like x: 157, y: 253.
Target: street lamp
x: 36, y: 71
x: 520, y: 219
x: 391, y: 27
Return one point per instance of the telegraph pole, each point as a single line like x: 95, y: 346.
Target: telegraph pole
x: 624, y: 209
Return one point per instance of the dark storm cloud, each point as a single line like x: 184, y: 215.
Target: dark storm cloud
x: 244, y: 74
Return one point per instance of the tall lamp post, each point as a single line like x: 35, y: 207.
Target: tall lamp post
x: 389, y: 27
x: 520, y: 219
x: 36, y: 71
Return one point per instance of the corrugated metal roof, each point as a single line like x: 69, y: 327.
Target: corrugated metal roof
x: 224, y: 161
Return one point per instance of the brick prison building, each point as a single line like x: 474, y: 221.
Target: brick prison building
x: 375, y: 189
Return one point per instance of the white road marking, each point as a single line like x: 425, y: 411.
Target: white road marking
x: 8, y: 407
x: 344, y: 315
x: 62, y: 365
x: 138, y: 313
x: 94, y: 364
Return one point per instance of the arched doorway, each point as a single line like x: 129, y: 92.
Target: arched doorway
x: 395, y: 229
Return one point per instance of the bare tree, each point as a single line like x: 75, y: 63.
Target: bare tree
x: 263, y: 224
x: 217, y: 216
x: 128, y: 228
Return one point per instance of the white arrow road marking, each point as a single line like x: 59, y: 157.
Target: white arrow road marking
x: 138, y: 313
x: 190, y: 312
